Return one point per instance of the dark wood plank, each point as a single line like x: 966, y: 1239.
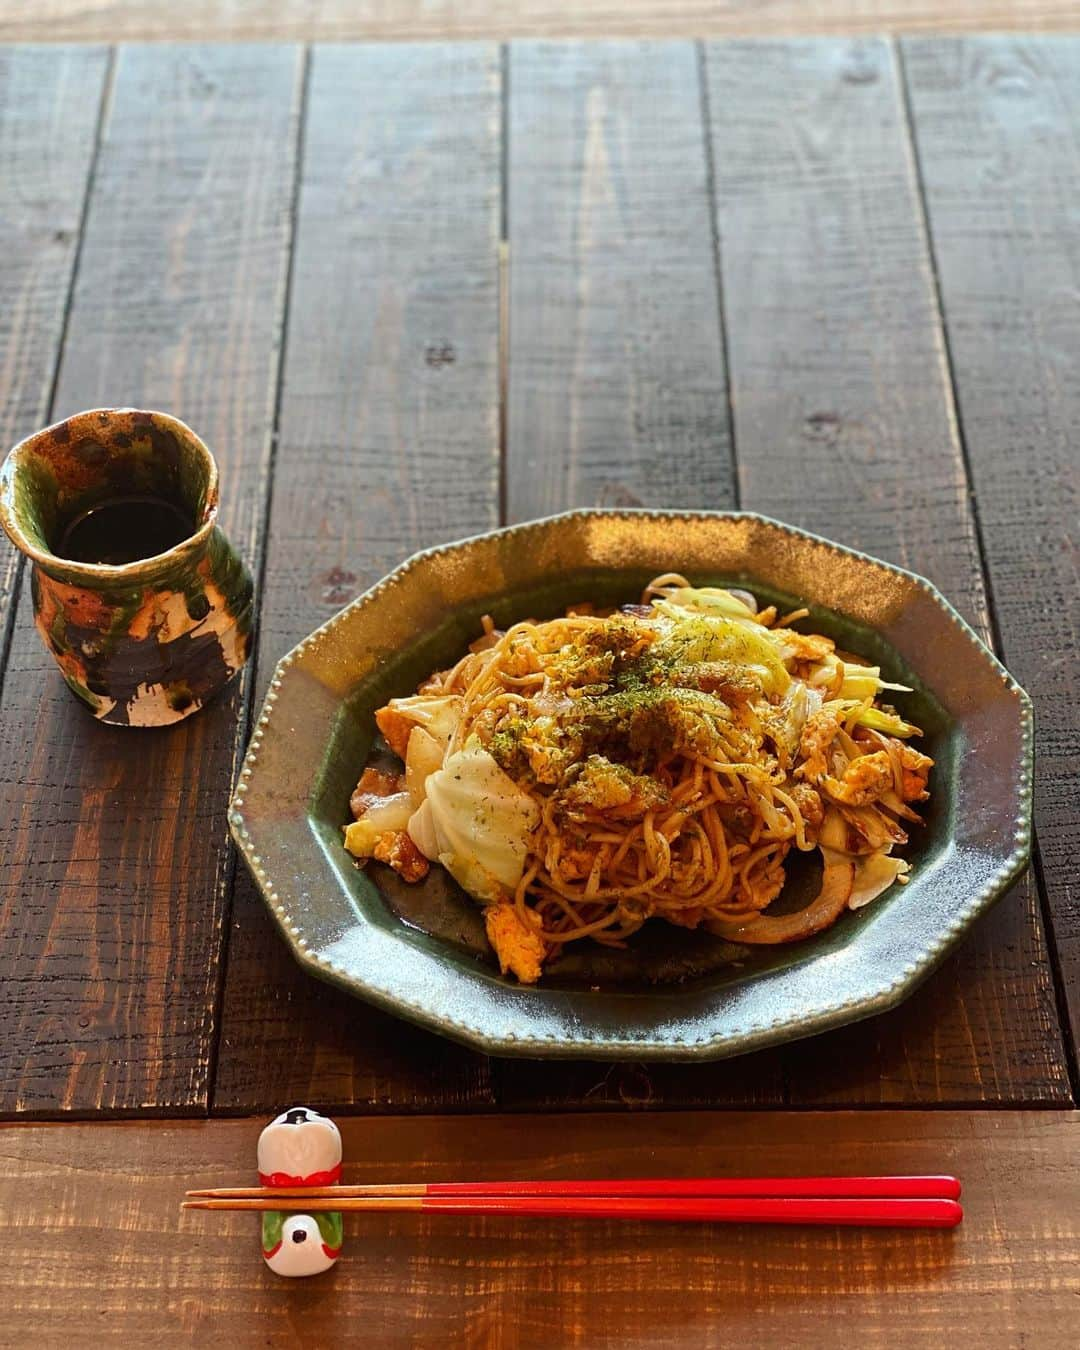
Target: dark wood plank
x: 638, y: 1086
x: 388, y: 442
x: 50, y: 102
x: 844, y: 424
x: 92, y: 1212
x: 996, y: 133
x: 616, y: 390
x: 616, y: 372
x: 113, y: 846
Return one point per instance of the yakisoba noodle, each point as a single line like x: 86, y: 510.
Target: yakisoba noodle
x: 582, y: 775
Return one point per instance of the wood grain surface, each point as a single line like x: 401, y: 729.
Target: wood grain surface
x: 996, y: 127
x: 388, y: 442
x: 844, y: 424
x: 617, y: 392
x: 383, y: 434
x: 616, y: 369
x: 96, y: 1249
x: 113, y: 850
x: 845, y: 234
x: 427, y: 20
x: 50, y: 105
x: 838, y: 383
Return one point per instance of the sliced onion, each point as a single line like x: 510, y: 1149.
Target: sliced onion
x: 747, y: 599
x: 421, y: 830
x: 877, y: 830
x: 837, y: 881
x: 834, y: 832
x: 386, y: 815
x: 893, y: 803
x: 874, y: 875
x: 422, y: 757
x: 389, y: 813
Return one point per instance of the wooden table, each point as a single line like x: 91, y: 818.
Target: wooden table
x: 425, y: 20
x: 406, y: 293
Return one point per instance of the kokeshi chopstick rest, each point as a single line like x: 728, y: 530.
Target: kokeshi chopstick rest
x: 300, y: 1148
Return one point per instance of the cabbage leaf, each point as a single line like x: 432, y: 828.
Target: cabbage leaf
x: 707, y: 637
x: 890, y: 723
x: 710, y: 600
x: 438, y: 716
x: 861, y: 682
x: 479, y: 820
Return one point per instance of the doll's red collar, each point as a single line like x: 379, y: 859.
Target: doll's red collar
x: 328, y: 1178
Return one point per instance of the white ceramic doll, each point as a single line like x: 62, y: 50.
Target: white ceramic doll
x: 300, y: 1148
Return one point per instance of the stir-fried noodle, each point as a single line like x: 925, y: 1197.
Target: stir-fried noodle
x: 582, y: 775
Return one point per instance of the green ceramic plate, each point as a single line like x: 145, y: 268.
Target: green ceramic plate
x: 419, y: 951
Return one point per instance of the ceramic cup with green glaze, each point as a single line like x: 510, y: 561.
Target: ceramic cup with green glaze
x: 142, y: 640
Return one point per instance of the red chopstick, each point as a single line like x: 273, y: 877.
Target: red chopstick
x: 879, y: 1202
x: 896, y: 1187
x: 861, y: 1188
x: 873, y: 1213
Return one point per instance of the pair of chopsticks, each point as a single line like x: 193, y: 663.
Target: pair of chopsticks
x: 877, y: 1202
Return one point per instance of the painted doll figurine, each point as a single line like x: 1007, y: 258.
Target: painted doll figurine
x: 300, y: 1148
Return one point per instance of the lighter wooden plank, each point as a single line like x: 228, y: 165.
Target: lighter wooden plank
x: 95, y: 1247
x: 50, y: 101
x: 453, y: 19
x: 113, y: 846
x: 996, y: 128
x: 844, y: 425
x: 616, y: 375
x: 616, y: 370
x: 388, y: 443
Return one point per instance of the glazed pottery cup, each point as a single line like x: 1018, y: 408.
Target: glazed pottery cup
x: 147, y: 642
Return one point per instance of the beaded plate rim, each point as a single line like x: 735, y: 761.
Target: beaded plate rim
x: 286, y: 908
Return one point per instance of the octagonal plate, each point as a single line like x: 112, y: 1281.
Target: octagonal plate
x: 419, y: 951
